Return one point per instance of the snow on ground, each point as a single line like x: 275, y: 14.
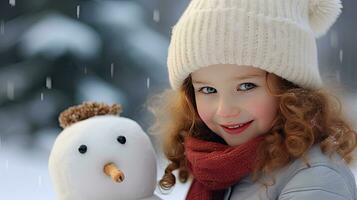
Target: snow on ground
x: 24, y: 175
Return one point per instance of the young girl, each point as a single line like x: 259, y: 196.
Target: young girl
x: 247, y: 116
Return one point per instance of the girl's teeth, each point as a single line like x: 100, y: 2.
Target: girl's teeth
x: 237, y: 126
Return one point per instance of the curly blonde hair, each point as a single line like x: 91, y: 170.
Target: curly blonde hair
x: 305, y: 117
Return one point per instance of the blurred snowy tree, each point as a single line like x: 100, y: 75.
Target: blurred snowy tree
x: 54, y: 54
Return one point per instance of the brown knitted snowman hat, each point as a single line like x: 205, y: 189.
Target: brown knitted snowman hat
x: 86, y: 110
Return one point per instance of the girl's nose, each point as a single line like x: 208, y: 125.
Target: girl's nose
x: 227, y: 108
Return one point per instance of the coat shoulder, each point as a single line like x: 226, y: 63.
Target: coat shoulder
x: 319, y: 179
x: 322, y: 173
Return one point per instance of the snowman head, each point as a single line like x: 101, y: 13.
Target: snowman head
x: 101, y: 156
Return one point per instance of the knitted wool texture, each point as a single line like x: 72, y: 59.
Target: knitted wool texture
x: 277, y: 36
x: 216, y: 166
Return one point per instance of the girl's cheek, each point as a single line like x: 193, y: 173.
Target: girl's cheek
x: 264, y: 108
x: 204, y: 111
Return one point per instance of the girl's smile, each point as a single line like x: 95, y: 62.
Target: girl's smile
x: 236, y: 128
x: 233, y: 101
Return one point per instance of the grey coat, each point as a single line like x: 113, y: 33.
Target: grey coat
x: 325, y: 179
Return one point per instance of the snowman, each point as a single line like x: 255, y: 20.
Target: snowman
x: 102, y: 156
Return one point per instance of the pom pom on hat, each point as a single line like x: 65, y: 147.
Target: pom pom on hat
x: 323, y: 14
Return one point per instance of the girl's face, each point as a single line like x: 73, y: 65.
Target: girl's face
x: 233, y: 101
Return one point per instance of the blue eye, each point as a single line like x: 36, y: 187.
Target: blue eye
x: 246, y: 86
x: 207, y: 90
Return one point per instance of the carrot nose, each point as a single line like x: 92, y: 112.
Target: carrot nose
x: 112, y: 170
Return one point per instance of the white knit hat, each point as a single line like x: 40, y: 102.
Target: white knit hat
x: 277, y: 36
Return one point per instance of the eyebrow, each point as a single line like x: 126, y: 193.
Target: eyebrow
x: 235, y: 78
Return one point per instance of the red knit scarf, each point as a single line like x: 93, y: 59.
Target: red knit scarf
x: 215, y: 166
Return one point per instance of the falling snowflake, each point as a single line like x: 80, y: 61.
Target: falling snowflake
x: 48, y: 83
x: 156, y: 15
x: 12, y: 3
x: 41, y: 96
x: 148, y: 82
x: 78, y: 10
x: 112, y: 70
x: 341, y: 55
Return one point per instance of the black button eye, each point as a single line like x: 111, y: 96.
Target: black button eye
x: 82, y: 149
x: 121, y: 139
